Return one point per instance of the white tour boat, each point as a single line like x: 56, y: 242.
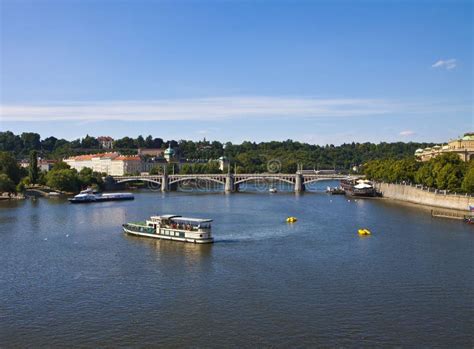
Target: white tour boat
x: 173, y: 227
x: 88, y: 195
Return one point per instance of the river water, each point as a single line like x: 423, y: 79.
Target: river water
x: 69, y: 276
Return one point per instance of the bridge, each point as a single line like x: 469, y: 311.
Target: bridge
x: 231, y: 182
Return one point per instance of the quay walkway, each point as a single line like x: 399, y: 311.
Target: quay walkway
x: 231, y: 182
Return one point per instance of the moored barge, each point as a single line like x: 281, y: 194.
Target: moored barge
x: 173, y: 227
x: 361, y: 187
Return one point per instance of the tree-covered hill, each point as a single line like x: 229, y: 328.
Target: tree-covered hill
x: 247, y: 156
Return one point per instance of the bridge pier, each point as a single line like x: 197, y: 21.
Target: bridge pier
x: 229, y: 184
x: 299, y: 186
x: 165, y: 183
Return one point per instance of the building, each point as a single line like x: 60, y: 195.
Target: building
x: 154, y: 152
x: 24, y: 163
x: 97, y: 162
x: 43, y: 165
x: 115, y: 164
x: 223, y: 163
x: 112, y: 164
x: 464, y: 147
x: 150, y: 164
x: 106, y: 142
x: 46, y: 165
x: 170, y: 154
x: 126, y: 165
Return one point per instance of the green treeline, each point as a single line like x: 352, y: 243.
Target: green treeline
x: 445, y: 172
x: 249, y: 157
x: 188, y: 168
x: 390, y: 162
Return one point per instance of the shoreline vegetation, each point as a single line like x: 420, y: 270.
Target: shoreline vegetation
x: 446, y: 172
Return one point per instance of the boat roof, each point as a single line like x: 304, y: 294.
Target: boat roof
x: 362, y: 186
x: 193, y: 220
x: 177, y: 218
x: 166, y: 216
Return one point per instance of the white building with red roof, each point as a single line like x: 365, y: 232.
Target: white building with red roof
x: 112, y: 164
x: 97, y: 162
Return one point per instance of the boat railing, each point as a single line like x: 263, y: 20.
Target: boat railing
x: 184, y: 227
x: 137, y: 227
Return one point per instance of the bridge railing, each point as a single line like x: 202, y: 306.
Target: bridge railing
x: 239, y: 175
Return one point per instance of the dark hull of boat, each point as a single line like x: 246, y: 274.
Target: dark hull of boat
x: 75, y: 201
x: 362, y: 193
x: 336, y: 192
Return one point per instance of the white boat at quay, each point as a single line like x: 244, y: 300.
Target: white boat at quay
x: 88, y: 195
x: 173, y: 227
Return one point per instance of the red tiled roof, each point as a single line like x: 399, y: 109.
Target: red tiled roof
x: 91, y: 156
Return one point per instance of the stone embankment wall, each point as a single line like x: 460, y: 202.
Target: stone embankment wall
x: 425, y: 197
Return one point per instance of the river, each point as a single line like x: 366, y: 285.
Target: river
x: 69, y: 276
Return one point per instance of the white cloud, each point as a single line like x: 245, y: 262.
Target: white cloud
x: 195, y: 109
x: 448, y: 64
x: 407, y: 133
x: 217, y: 108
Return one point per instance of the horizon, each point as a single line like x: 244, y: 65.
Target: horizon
x: 210, y: 140
x: 318, y: 73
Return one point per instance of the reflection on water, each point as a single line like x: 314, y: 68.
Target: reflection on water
x: 70, y: 276
x: 194, y: 254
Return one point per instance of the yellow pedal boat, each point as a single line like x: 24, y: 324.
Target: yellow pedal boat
x: 364, y: 232
x: 291, y: 220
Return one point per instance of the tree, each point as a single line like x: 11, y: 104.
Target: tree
x: 87, y: 177
x: 6, y: 184
x: 24, y: 182
x: 468, y: 182
x: 33, y: 167
x: 424, y: 176
x: 157, y: 143
x: 448, y: 171
x: 9, y: 167
x: 125, y: 143
x: 186, y: 169
x: 157, y: 170
x: 89, y: 142
x: 75, y: 144
x: 49, y: 144
x: 30, y: 141
x: 65, y: 179
x: 149, y: 142
x: 10, y: 142
x: 60, y: 165
x: 140, y: 142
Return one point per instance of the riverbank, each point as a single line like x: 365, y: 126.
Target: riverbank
x: 416, y: 195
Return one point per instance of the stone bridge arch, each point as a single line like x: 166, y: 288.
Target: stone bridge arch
x: 265, y: 178
x: 196, y: 178
x: 155, y: 181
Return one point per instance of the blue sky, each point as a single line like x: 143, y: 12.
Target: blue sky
x: 315, y: 71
